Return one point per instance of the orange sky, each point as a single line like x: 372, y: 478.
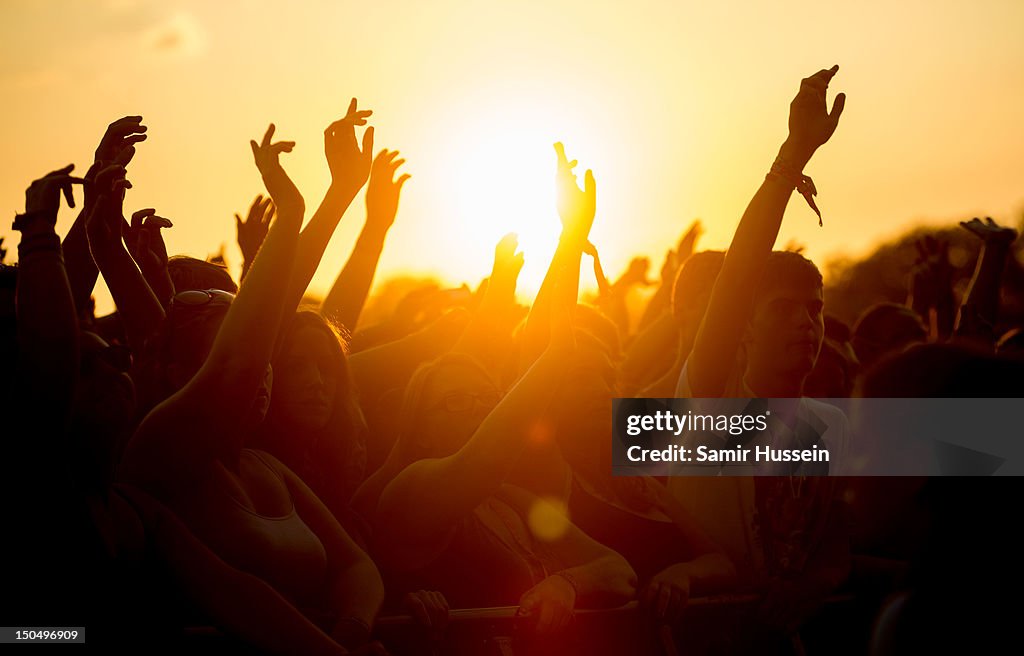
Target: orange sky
x: 678, y: 107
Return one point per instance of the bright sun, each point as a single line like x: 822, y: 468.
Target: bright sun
x: 501, y: 182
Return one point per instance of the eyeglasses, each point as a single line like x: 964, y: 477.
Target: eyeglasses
x: 465, y: 402
x: 200, y: 297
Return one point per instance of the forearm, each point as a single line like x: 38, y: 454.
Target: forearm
x: 140, y: 310
x: 82, y: 271
x: 313, y: 242
x: 732, y: 296
x: 710, y: 573
x: 606, y: 581
x: 567, y: 258
x: 980, y: 309
x: 46, y: 318
x: 486, y: 460
x: 430, y: 495
x: 378, y: 369
x: 344, y: 302
x: 246, y: 338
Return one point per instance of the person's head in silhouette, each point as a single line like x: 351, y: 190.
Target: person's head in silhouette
x: 444, y: 404
x: 786, y: 327
x: 314, y: 421
x: 691, y: 290
x: 183, y: 343
x: 885, y: 328
x: 191, y: 273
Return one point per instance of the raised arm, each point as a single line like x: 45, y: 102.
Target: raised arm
x: 576, y: 209
x: 810, y: 125
x: 145, y: 242
x: 418, y: 508
x: 350, y: 167
x: 345, y: 301
x: 612, y: 302
x: 116, y: 147
x: 46, y: 318
x: 980, y: 310
x: 931, y: 287
x: 221, y: 394
x: 253, y: 230
x: 140, y: 310
x: 492, y: 323
x: 661, y: 302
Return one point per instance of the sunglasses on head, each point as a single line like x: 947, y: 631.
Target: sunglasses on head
x: 200, y: 297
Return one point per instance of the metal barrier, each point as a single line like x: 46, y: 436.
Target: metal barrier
x: 623, y: 630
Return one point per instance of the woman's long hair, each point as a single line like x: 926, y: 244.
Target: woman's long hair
x: 312, y: 453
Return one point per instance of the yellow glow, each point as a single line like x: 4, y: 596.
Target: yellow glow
x: 503, y: 182
x: 678, y: 107
x: 549, y: 519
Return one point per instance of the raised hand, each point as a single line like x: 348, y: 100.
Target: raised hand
x: 118, y: 142
x: 105, y: 220
x: 144, y: 240
x: 688, y: 242
x: 267, y: 154
x: 349, y: 165
x: 989, y: 231
x: 576, y: 207
x: 253, y: 230
x: 931, y: 283
x: 383, y: 191
x: 636, y: 273
x: 42, y: 198
x: 507, y: 265
x: 810, y: 122
x: 146, y: 245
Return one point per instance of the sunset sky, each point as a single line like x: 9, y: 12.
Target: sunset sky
x: 678, y: 107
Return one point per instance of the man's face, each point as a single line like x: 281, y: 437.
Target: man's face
x: 786, y: 330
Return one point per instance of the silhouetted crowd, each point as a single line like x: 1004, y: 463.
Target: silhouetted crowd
x: 241, y: 467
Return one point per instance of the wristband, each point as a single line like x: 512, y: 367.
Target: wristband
x: 571, y: 580
x: 41, y: 242
x: 794, y: 179
x: 21, y: 221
